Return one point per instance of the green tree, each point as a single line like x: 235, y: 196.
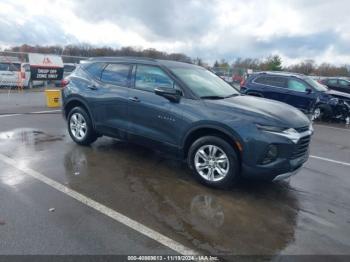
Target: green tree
x: 274, y: 63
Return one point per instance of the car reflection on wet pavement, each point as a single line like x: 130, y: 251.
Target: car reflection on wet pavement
x: 253, y: 218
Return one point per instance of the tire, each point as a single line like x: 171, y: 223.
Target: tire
x: 321, y: 112
x: 224, y: 160
x: 83, y: 133
x: 316, y: 114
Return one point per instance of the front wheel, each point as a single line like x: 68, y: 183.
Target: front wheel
x: 214, y: 162
x: 80, y: 127
x: 317, y: 114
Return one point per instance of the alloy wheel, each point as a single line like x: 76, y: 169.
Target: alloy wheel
x: 316, y: 114
x: 78, y: 126
x: 212, y: 163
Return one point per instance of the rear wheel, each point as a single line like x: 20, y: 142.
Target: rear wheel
x: 80, y: 127
x: 214, y: 162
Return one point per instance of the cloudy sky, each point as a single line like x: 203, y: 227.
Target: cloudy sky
x: 210, y: 29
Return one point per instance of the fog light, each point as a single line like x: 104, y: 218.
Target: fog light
x: 271, y: 154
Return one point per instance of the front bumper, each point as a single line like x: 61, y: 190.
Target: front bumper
x: 293, y: 153
x: 286, y: 175
x: 280, y: 168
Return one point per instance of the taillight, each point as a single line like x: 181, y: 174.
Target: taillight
x: 64, y: 82
x: 23, y: 75
x: 242, y: 83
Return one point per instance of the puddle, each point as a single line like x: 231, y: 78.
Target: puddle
x: 29, y: 138
x: 252, y: 219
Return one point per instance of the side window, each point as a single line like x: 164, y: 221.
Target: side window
x: 117, y: 74
x: 95, y: 69
x: 344, y: 83
x: 276, y: 81
x: 332, y: 81
x: 150, y: 77
x: 296, y: 85
x: 260, y: 80
x: 271, y: 81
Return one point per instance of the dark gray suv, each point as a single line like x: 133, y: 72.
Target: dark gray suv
x: 188, y: 111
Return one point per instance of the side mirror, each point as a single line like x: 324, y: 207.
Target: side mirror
x: 171, y: 94
x: 308, y: 90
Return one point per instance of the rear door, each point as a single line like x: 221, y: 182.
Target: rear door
x: 112, y: 104
x: 106, y: 93
x: 272, y: 87
x: 299, y: 95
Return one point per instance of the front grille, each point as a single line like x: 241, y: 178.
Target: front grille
x: 302, y: 129
x: 301, y: 147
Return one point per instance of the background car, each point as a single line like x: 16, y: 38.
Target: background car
x: 338, y: 84
x: 14, y: 74
x: 300, y: 91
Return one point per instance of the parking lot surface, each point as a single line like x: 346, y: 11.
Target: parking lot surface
x: 310, y: 214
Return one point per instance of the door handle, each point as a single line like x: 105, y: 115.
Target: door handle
x: 134, y: 99
x: 92, y: 87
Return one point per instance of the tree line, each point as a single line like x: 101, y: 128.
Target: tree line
x: 239, y: 65
x: 306, y: 67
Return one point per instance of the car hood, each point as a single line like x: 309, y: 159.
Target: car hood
x: 268, y: 111
x: 337, y: 94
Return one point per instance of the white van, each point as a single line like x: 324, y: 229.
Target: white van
x: 14, y: 74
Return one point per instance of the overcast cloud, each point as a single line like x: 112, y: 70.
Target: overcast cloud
x: 215, y: 29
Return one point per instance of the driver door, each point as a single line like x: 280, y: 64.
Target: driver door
x: 299, y: 96
x: 153, y: 118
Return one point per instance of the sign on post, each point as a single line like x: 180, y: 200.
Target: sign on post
x: 45, y: 67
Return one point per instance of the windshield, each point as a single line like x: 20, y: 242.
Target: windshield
x: 204, y: 83
x: 315, y: 84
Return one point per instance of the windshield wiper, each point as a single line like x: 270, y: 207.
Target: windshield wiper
x: 235, y: 94
x: 212, y: 97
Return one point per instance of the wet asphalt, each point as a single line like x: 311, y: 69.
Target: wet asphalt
x: 309, y: 214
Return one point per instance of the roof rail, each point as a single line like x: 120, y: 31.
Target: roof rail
x: 280, y: 73
x: 122, y: 57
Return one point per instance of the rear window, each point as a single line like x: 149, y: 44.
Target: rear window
x: 271, y: 81
x: 95, y: 69
x: 9, y: 67
x: 117, y: 74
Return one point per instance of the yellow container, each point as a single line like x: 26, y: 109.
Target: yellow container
x: 53, y: 97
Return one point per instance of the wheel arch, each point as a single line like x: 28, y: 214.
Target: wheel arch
x: 209, y: 130
x: 76, y: 102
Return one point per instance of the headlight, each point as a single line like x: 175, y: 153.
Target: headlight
x: 311, y: 128
x: 289, y: 133
x: 334, y: 101
x: 271, y: 128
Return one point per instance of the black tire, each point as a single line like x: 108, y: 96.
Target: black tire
x: 325, y: 113
x: 232, y: 176
x: 90, y: 134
